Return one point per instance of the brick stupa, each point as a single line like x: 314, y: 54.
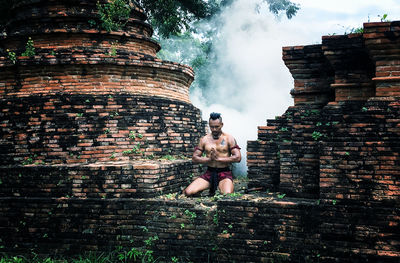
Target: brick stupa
x: 91, y: 112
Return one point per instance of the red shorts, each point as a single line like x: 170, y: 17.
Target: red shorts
x: 223, y: 173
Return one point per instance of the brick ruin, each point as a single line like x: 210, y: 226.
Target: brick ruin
x: 339, y: 144
x: 86, y: 121
x: 92, y: 104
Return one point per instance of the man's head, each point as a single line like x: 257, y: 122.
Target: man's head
x: 215, y: 123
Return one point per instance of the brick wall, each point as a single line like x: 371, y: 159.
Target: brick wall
x: 90, y: 128
x: 268, y: 230
x: 72, y: 226
x: 99, y: 180
x: 91, y: 70
x: 248, y: 228
x: 312, y: 74
x: 353, y: 67
x: 349, y: 145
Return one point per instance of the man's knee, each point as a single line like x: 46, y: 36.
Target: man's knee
x: 188, y: 191
x: 226, y: 186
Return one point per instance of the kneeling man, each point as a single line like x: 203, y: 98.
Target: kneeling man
x: 217, y: 150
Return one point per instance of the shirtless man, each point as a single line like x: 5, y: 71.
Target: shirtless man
x: 220, y: 151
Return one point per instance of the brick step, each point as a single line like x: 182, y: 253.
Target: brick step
x: 130, y: 179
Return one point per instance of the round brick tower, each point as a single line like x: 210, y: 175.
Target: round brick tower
x: 75, y: 95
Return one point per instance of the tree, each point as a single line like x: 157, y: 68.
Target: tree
x: 173, y: 17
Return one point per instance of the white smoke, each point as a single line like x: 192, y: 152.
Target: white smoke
x: 251, y: 82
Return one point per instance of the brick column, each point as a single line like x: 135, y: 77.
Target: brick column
x: 354, y: 69
x: 299, y: 152
x: 311, y: 72
x: 383, y: 41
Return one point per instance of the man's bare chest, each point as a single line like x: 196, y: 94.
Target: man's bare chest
x: 220, y: 145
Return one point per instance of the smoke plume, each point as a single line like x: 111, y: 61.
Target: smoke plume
x: 250, y: 82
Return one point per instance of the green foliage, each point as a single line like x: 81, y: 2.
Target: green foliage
x: 191, y: 215
x: 356, y: 30
x: 215, y: 218
x: 174, y: 17
x: 114, y: 15
x: 173, y: 216
x: 150, y: 241
x: 14, y: 259
x: 29, y: 160
x: 29, y: 49
x: 279, y: 6
x: 384, y: 18
x: 136, y: 254
x: 150, y: 156
x: 171, y: 17
x: 170, y: 195
x: 12, y: 56
x: 168, y: 157
x: 132, y: 135
x: 134, y: 150
x: 281, y: 196
x: 234, y: 195
x: 113, y: 114
x: 92, y: 23
x: 113, y: 50
x: 317, y: 135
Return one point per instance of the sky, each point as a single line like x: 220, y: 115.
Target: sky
x: 323, y: 17
x: 251, y: 82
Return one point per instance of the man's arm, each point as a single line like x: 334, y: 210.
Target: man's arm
x: 198, y: 152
